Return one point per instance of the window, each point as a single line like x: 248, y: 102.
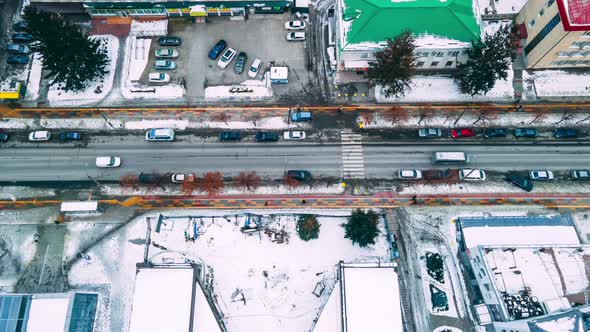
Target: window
x: 532, y: 23
x: 541, y: 12
x: 434, y: 64
x: 453, y: 53
x: 420, y: 64
x: 364, y: 55
x: 440, y: 54
x: 550, y: 2
x: 425, y: 53
x: 449, y: 63
x: 482, y: 271
x: 563, y: 53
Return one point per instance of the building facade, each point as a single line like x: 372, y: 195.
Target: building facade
x: 443, y: 31
x: 558, y: 33
x: 163, y: 9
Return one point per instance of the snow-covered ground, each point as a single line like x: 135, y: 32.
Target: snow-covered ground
x: 444, y: 89
x: 260, y: 283
x: 34, y: 77
x: 501, y: 7
x: 252, y: 89
x: 494, y: 187
x: 57, y: 97
x: 427, y: 280
x: 556, y: 83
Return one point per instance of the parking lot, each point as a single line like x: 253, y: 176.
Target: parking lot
x: 260, y: 36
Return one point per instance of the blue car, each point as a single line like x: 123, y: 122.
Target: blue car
x: 217, y: 49
x: 70, y: 136
x: 21, y: 26
x: 230, y: 136
x: 17, y: 59
x: 170, y: 41
x: 301, y: 116
x: 22, y: 37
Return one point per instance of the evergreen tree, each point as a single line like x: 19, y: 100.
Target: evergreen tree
x: 361, y: 227
x: 394, y: 65
x: 308, y: 227
x: 488, y: 62
x: 70, y: 57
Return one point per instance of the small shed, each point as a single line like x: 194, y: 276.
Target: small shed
x: 279, y: 75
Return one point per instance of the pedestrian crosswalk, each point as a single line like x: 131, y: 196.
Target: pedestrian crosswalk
x: 353, y: 165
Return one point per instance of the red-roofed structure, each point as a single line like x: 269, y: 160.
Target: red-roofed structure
x: 575, y: 14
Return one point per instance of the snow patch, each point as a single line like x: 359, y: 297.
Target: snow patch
x: 34, y: 77
x: 556, y: 83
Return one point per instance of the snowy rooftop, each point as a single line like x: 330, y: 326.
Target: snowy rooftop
x: 553, y: 275
x: 371, y: 301
x: 570, y: 321
x: 518, y: 230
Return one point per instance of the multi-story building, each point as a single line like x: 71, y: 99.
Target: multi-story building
x: 558, y: 33
x: 443, y: 31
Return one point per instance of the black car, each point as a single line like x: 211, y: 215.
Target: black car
x: 494, y: 132
x: 266, y: 137
x: 22, y: 37
x: 70, y: 136
x: 17, y: 59
x: 217, y: 49
x: 230, y: 136
x: 3, y: 136
x: 526, y: 132
x: 299, y: 175
x: 240, y: 63
x: 520, y: 181
x: 565, y: 133
x: 149, y: 178
x: 21, y: 26
x: 170, y: 41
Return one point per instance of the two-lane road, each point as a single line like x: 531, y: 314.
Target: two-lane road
x: 52, y: 162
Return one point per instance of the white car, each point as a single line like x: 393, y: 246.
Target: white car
x: 295, y: 25
x: 226, y: 58
x: 158, y: 78
x: 472, y: 175
x: 42, y: 135
x: 294, y: 134
x: 409, y: 174
x: 254, y: 68
x: 296, y: 36
x: 180, y: 178
x: 166, y: 53
x: 541, y: 175
x: 108, y: 162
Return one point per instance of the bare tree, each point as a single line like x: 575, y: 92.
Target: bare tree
x: 189, y: 185
x: 129, y: 182
x: 212, y: 183
x: 221, y: 117
x: 487, y: 114
x: 584, y: 119
x: 395, y: 114
x: 248, y: 180
x: 425, y: 112
x: 566, y: 116
x: 290, y: 181
x: 540, y: 115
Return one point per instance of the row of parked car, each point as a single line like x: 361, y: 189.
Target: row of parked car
x: 19, y: 53
x: 496, y: 132
x: 228, y: 55
x: 44, y: 135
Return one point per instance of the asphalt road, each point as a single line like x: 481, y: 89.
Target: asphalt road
x: 52, y: 162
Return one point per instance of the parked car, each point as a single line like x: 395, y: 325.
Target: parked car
x: 299, y: 175
x: 301, y: 116
x: 160, y: 134
x: 217, y: 49
x: 472, y: 175
x: 296, y: 36
x: 429, y: 132
x: 582, y: 174
x: 108, y: 162
x: 158, y: 78
x: 169, y: 41
x: 21, y: 26
x: 181, y: 178
x: 17, y: 59
x: 240, y: 63
x: 295, y: 25
x: 541, y: 175
x: 264, y: 136
x: 462, y: 132
x: 526, y: 132
x: 230, y: 136
x: 409, y: 174
x: 565, y: 133
x: 70, y: 136
x: 41, y: 135
x: 22, y: 37
x: 520, y: 181
x: 254, y: 68
x: 165, y: 64
x: 18, y: 49
x: 149, y: 177
x: 226, y: 58
x: 166, y: 53
x: 494, y: 132
x: 3, y: 136
x: 294, y: 135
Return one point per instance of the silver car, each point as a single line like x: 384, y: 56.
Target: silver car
x: 429, y: 132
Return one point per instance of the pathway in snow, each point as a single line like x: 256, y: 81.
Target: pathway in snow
x: 353, y: 165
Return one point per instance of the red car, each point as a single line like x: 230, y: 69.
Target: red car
x: 462, y: 132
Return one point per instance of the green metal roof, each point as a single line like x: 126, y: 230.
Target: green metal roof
x: 377, y: 20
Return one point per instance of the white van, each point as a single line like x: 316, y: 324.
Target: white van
x: 472, y: 175
x: 254, y: 68
x: 450, y: 157
x: 160, y: 134
x: 108, y: 162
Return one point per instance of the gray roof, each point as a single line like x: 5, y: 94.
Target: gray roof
x: 507, y: 221
x: 572, y: 314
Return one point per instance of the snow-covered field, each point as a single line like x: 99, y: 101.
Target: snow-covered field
x: 260, y: 284
x: 556, y: 83
x: 256, y: 90
x: 444, y: 89
x: 57, y: 97
x: 34, y: 77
